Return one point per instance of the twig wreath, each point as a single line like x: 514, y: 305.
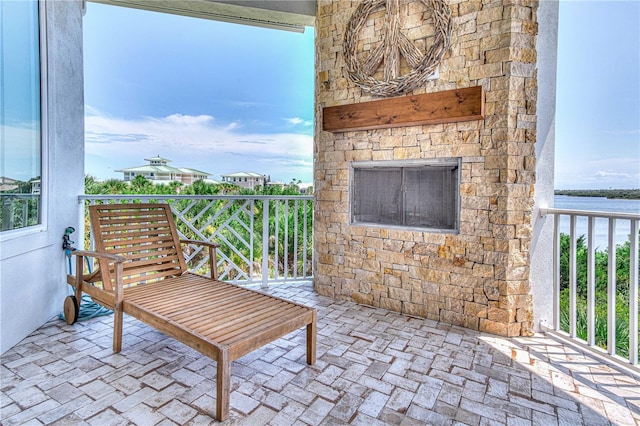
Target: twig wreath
x: 394, y: 44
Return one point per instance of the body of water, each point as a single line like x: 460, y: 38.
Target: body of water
x: 602, y: 225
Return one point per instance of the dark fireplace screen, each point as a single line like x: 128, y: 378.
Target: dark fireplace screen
x: 406, y: 194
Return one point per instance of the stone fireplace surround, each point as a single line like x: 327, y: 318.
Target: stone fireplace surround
x: 478, y: 278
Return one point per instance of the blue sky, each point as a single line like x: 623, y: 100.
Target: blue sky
x: 223, y: 98
x: 598, y: 95
x: 207, y: 95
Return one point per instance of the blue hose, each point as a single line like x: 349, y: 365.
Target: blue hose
x: 88, y: 308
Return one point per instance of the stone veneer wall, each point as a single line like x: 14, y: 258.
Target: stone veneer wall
x: 478, y: 278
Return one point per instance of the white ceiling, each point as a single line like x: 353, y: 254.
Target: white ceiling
x: 291, y: 15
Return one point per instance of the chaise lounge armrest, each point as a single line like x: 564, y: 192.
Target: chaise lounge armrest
x: 88, y: 253
x: 213, y: 254
x: 201, y: 243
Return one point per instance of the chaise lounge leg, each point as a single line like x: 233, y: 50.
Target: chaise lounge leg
x: 79, y: 270
x: 117, y: 329
x: 311, y: 340
x: 117, y: 310
x: 223, y: 385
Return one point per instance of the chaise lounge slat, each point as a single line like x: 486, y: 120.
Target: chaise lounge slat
x: 142, y: 272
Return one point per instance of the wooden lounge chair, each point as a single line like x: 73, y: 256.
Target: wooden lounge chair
x: 142, y: 272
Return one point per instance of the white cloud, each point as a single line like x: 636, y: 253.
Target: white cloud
x: 617, y: 132
x: 199, y: 142
x: 602, y: 173
x: 295, y: 121
x: 180, y: 119
x: 606, y: 174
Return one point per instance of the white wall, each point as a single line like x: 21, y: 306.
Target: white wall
x: 32, y: 264
x: 541, y: 272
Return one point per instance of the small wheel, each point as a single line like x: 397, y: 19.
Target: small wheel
x: 71, y: 310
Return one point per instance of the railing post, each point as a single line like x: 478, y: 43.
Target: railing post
x: 7, y: 214
x: 265, y: 243
x: 633, y: 294
x: 296, y: 206
x: 556, y: 275
x: 276, y: 244
x: 591, y: 283
x: 573, y: 281
x: 285, y: 260
x: 611, y: 289
x: 304, y: 239
x: 81, y: 231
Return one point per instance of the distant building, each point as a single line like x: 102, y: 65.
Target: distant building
x: 277, y: 183
x: 159, y: 172
x: 8, y: 184
x: 35, y: 186
x: 246, y: 179
x: 306, y: 188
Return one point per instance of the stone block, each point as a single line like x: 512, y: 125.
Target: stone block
x: 501, y: 315
x: 391, y: 304
x: 390, y: 142
x: 490, y: 70
x: 415, y: 309
x: 371, y: 265
x: 495, y: 258
x: 471, y: 322
x: 514, y: 329
x: 366, y: 299
x: 417, y: 296
x: 524, y: 314
x: 484, y: 271
x: 518, y: 273
x: 392, y: 281
x: 454, y: 318
x: 399, y: 294
x: 359, y: 155
x: 514, y: 301
x: 520, y: 69
x: 372, y: 277
x: 454, y: 305
x: 493, y: 327
x: 476, y: 309
x: 390, y: 257
x: 403, y: 153
x: 504, y: 231
x: 382, y: 155
x: 456, y: 292
x: 329, y: 195
x: 465, y: 150
x: 431, y: 288
x: 489, y: 14
x: 467, y: 281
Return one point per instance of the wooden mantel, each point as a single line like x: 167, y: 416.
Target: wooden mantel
x: 431, y: 108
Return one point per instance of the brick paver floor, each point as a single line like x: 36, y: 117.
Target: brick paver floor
x: 374, y: 367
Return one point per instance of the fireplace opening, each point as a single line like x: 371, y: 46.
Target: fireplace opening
x: 420, y: 194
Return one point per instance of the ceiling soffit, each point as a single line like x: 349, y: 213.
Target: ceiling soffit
x: 277, y: 14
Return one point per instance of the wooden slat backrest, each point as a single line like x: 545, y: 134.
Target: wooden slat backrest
x: 144, y: 234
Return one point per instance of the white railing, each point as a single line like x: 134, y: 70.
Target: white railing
x: 263, y: 239
x: 584, y: 312
x: 19, y: 210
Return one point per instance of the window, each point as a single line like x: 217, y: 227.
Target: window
x: 20, y: 116
x: 410, y: 194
